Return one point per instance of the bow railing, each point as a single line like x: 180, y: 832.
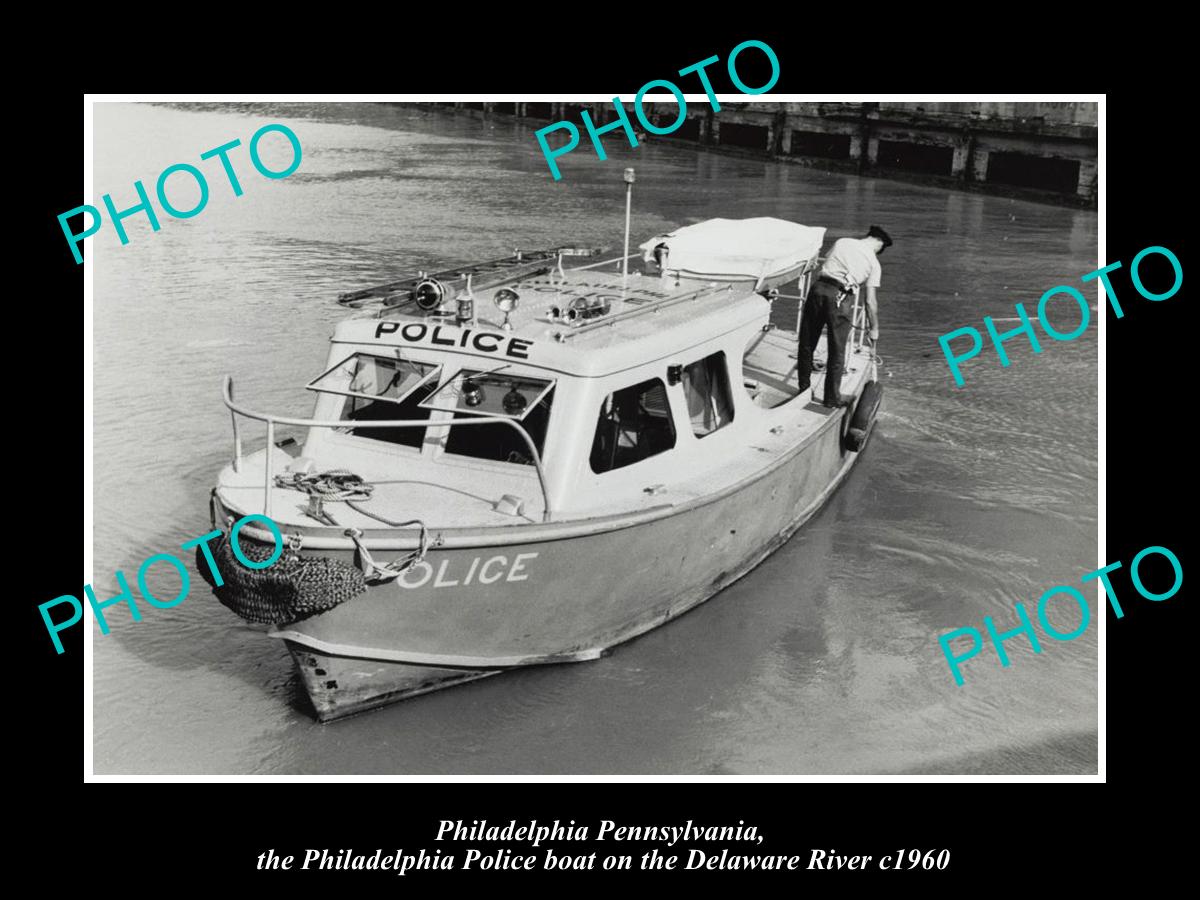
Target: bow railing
x: 271, y: 421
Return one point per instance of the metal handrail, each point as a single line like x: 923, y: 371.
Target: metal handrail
x: 652, y: 306
x: 604, y: 262
x: 272, y: 421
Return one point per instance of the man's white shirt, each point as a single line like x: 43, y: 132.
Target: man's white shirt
x: 853, y: 261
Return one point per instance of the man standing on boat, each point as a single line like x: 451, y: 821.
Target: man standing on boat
x: 851, y: 264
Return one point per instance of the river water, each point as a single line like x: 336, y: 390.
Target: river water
x: 824, y: 659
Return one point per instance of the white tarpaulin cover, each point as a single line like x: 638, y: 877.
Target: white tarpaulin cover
x: 755, y: 248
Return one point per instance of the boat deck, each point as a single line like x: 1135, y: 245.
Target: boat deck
x: 395, y: 499
x: 769, y: 369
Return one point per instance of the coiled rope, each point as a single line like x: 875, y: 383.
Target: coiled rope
x: 343, y: 486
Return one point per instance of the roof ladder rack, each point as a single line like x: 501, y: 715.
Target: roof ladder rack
x: 653, y: 306
x: 490, y: 273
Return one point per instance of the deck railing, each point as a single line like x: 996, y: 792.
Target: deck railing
x: 272, y: 421
x: 858, y: 313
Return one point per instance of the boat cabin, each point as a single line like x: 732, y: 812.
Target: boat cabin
x: 582, y: 393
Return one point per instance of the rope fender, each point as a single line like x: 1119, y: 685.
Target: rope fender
x: 296, y: 587
x: 291, y: 589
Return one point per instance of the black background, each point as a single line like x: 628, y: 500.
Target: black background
x: 1017, y: 835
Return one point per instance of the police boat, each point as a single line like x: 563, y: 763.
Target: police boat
x: 533, y: 459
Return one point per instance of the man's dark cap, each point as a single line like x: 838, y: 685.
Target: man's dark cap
x: 876, y: 232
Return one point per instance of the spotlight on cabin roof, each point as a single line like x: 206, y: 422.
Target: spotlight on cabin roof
x: 506, y: 300
x: 429, y: 294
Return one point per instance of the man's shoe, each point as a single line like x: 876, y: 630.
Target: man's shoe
x: 839, y: 402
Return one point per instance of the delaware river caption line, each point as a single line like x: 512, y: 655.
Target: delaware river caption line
x: 402, y: 863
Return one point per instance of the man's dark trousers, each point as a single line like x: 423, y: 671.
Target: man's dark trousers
x: 821, y: 309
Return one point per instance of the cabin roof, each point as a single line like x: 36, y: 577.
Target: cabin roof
x: 648, y: 318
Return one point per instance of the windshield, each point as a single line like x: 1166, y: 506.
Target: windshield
x: 380, y: 388
x: 490, y: 393
x: 472, y: 393
x: 375, y: 377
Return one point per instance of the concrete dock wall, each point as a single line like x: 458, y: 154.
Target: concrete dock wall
x: 1043, y: 151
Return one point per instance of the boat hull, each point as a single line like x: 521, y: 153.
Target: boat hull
x: 467, y: 612
x: 340, y: 686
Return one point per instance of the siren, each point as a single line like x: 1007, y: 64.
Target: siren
x: 584, y: 308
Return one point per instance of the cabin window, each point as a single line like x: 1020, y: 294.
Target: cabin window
x: 635, y: 424
x: 379, y: 388
x: 706, y: 386
x: 469, y: 394
x: 360, y: 410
